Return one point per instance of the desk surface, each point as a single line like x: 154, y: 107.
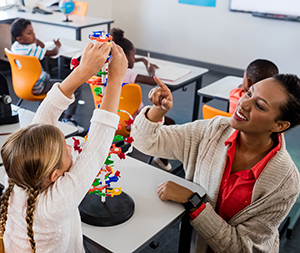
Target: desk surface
x: 221, y: 88
x: 78, y: 44
x: 139, y: 68
x: 151, y: 215
x: 54, y: 19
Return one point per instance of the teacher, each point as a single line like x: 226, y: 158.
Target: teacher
x: 250, y: 179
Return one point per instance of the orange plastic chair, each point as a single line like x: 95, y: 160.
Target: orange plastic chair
x: 25, y: 76
x: 130, y: 101
x: 80, y: 8
x: 209, y: 112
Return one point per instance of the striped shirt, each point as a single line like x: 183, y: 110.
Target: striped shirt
x: 32, y: 50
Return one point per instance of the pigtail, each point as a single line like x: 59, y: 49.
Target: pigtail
x: 4, y: 209
x: 33, y: 194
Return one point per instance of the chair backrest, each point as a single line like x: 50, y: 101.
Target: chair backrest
x: 130, y: 101
x: 25, y: 72
x: 209, y: 112
x: 80, y: 8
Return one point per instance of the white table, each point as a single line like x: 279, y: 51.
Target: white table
x: 25, y: 119
x: 151, y: 215
x: 80, y: 45
x: 51, y: 26
x: 220, y: 89
x: 194, y: 76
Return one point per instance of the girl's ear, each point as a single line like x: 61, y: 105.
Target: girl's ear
x: 54, y: 176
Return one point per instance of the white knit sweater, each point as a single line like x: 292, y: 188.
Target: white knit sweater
x: 199, y: 145
x: 56, y: 220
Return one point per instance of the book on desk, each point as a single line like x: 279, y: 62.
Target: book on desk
x: 164, y: 72
x: 64, y: 49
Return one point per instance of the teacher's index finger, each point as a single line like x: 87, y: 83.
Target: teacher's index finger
x: 160, y: 83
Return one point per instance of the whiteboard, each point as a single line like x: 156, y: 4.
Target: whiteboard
x: 282, y: 7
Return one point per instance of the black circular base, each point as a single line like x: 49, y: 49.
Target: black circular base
x: 115, y: 210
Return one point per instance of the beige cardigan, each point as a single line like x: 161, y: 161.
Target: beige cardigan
x: 199, y: 145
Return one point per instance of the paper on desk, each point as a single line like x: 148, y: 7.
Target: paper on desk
x: 49, y: 45
x: 171, y: 72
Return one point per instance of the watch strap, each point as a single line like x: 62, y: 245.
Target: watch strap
x: 194, y: 202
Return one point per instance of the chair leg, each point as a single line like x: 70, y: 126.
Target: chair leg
x: 19, y: 102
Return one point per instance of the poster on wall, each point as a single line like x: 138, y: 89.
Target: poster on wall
x: 207, y: 3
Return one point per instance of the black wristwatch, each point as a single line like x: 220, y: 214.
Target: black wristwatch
x: 195, y: 201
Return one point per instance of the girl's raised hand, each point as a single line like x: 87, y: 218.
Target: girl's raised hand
x: 93, y: 58
x: 118, y: 64
x: 116, y: 71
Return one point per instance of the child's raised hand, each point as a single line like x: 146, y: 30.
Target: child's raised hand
x: 116, y: 72
x: 57, y: 43
x: 118, y: 64
x: 93, y: 58
x: 161, y: 96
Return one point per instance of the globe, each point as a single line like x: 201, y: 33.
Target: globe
x: 66, y: 6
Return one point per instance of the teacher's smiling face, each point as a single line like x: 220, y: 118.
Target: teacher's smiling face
x: 258, y: 108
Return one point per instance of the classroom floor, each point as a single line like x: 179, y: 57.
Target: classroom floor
x: 181, y: 113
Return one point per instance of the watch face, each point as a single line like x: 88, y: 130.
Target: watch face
x: 195, y: 199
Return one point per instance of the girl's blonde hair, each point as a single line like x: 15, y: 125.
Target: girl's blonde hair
x: 30, y: 155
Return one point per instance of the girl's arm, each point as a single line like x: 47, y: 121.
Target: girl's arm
x: 150, y: 69
x: 94, y: 57
x: 145, y: 80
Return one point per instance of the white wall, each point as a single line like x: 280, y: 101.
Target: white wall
x: 213, y: 35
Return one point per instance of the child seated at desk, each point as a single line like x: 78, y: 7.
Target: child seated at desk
x: 256, y: 71
x: 133, y: 77
x: 25, y: 43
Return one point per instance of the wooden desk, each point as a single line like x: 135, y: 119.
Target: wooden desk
x: 48, y: 27
x: 25, y: 119
x: 194, y: 76
x: 220, y: 89
x: 151, y: 216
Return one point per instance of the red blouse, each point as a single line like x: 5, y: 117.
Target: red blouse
x: 236, y: 188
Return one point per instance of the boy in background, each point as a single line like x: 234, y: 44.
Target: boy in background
x: 25, y: 43
x: 256, y: 71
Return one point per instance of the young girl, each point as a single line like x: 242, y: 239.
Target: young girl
x: 39, y: 208
x: 132, y: 77
x: 129, y: 50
